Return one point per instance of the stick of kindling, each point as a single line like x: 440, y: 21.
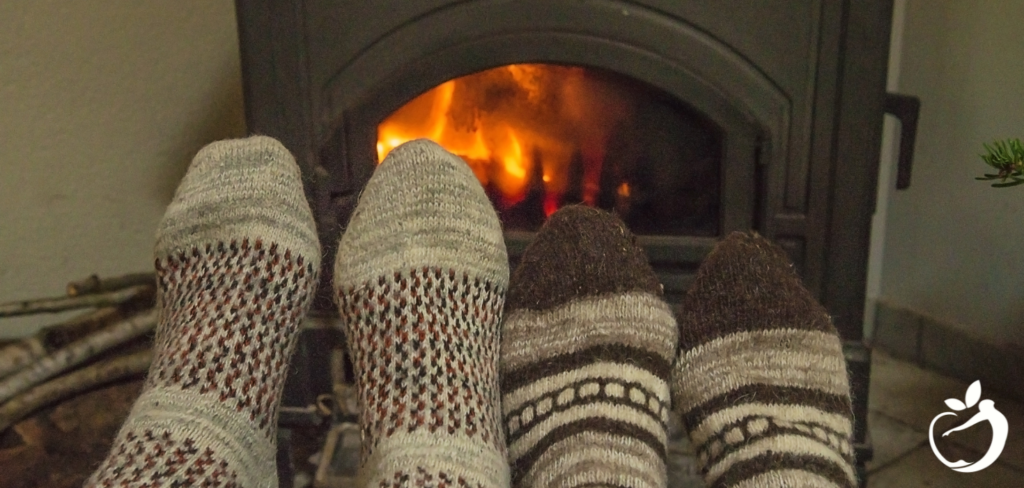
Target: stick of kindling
x: 15, y: 356
x: 26, y: 351
x: 61, y: 304
x: 76, y: 353
x: 79, y: 381
x: 95, y: 284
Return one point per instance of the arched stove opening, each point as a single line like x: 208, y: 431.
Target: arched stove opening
x: 542, y: 136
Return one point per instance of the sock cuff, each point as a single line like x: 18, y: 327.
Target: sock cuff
x: 422, y: 457
x: 200, y: 428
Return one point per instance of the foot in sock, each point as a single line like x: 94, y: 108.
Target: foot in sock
x: 236, y: 262
x: 760, y: 380
x: 587, y: 347
x: 420, y: 280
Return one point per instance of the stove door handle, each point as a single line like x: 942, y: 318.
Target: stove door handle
x: 906, y: 108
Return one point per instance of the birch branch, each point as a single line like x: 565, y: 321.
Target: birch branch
x: 95, y: 284
x: 24, y: 352
x: 76, y: 353
x: 66, y: 386
x: 118, y: 297
x: 16, y: 356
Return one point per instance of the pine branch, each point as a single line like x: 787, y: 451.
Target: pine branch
x: 1007, y: 157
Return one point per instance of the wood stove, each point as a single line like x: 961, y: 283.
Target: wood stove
x: 758, y: 115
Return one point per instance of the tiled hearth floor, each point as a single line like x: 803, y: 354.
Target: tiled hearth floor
x: 903, y: 400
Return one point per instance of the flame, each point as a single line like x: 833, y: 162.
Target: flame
x: 521, y: 128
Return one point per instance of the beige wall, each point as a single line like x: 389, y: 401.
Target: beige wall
x: 102, y: 105
x: 954, y: 247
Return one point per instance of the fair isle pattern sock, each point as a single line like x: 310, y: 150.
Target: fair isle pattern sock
x: 236, y: 260
x: 587, y: 347
x: 420, y: 279
x: 761, y: 381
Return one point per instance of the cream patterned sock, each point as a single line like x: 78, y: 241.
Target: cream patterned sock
x: 420, y: 279
x: 761, y: 380
x: 587, y: 346
x: 236, y: 260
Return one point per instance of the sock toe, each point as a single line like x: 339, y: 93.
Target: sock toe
x: 580, y: 251
x: 745, y: 283
x: 237, y: 189
x: 422, y: 207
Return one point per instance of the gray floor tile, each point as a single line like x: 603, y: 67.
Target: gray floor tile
x: 921, y: 469
x: 891, y: 440
x: 903, y: 400
x: 913, y: 396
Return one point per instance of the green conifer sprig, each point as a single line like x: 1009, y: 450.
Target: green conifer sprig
x: 1007, y: 157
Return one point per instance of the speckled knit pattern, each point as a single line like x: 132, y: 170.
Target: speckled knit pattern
x: 420, y: 279
x: 587, y: 345
x: 760, y: 378
x: 236, y: 262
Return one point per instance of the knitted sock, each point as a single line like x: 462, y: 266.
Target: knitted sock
x: 236, y: 261
x: 420, y: 279
x: 587, y: 347
x: 761, y: 380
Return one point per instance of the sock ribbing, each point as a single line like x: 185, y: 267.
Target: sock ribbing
x: 420, y: 279
x: 236, y: 261
x: 587, y: 344
x: 760, y: 379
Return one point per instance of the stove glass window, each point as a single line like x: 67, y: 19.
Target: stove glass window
x: 541, y: 136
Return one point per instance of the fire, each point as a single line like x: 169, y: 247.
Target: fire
x: 524, y: 129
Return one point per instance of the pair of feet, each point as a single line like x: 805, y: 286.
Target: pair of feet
x: 564, y: 375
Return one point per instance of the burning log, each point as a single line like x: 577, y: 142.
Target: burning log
x: 61, y: 304
x: 77, y: 353
x: 80, y: 381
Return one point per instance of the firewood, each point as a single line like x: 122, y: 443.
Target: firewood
x: 70, y: 303
x: 95, y: 284
x: 26, y: 351
x: 77, y: 382
x: 15, y: 356
x: 77, y: 353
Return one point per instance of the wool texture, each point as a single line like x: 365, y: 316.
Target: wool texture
x: 237, y: 258
x: 587, y: 347
x: 760, y: 380
x: 420, y: 280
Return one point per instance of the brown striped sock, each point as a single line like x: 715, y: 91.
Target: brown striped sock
x: 420, y: 278
x: 760, y: 379
x: 586, y: 350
